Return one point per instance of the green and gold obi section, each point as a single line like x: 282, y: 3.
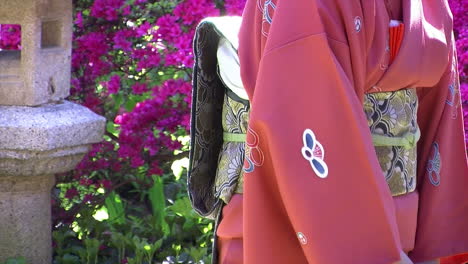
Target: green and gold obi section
x: 392, y: 118
x: 231, y: 158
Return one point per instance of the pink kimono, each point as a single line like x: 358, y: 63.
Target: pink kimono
x: 314, y: 189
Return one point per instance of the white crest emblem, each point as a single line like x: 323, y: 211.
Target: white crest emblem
x: 302, y: 238
x: 314, y: 152
x: 357, y: 24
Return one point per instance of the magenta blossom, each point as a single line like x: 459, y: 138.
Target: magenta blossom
x: 139, y: 88
x: 106, y: 9
x: 113, y: 85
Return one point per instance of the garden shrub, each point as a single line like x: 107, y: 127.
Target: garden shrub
x: 126, y: 202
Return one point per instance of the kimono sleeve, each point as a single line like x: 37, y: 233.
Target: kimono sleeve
x: 313, y: 188
x: 442, y: 170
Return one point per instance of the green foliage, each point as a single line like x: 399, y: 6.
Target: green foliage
x: 92, y: 250
x: 19, y: 260
x: 69, y: 259
x: 115, y: 208
x: 149, y: 220
x: 158, y: 204
x: 127, y: 202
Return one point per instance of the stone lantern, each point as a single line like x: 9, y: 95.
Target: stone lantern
x: 40, y: 72
x: 41, y: 134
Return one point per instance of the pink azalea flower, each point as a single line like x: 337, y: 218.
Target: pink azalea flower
x: 113, y: 85
x: 106, y: 9
x: 139, y: 88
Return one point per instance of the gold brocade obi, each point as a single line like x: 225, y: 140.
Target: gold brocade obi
x: 392, y: 119
x: 229, y: 176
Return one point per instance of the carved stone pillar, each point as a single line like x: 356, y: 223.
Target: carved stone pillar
x: 40, y: 133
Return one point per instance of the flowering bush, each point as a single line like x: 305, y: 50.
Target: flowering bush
x: 126, y: 201
x: 132, y: 63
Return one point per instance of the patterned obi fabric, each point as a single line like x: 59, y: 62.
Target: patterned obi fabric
x: 392, y: 119
x: 229, y: 176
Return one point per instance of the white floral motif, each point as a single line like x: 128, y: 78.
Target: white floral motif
x: 434, y: 165
x: 267, y: 8
x: 357, y: 24
x: 453, y: 99
x: 254, y: 156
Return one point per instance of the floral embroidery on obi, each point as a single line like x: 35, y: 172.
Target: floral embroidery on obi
x: 434, y: 165
x: 231, y: 157
x: 267, y: 8
x: 392, y: 118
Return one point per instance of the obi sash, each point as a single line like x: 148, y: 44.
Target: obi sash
x: 209, y: 117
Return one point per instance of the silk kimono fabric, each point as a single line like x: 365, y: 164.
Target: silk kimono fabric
x: 313, y: 189
x: 458, y: 259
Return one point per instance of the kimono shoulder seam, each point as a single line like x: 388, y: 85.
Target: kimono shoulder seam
x: 292, y: 42
x: 339, y: 41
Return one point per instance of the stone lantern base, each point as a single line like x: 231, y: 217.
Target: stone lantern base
x: 36, y: 143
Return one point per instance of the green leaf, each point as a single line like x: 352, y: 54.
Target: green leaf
x: 132, y: 100
x: 70, y: 259
x: 92, y: 250
x: 188, y: 225
x: 101, y: 214
x: 115, y: 208
x: 111, y: 127
x: 118, y: 100
x: 197, y: 253
x: 158, y: 203
x: 20, y: 260
x: 183, y: 207
x: 130, y: 104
